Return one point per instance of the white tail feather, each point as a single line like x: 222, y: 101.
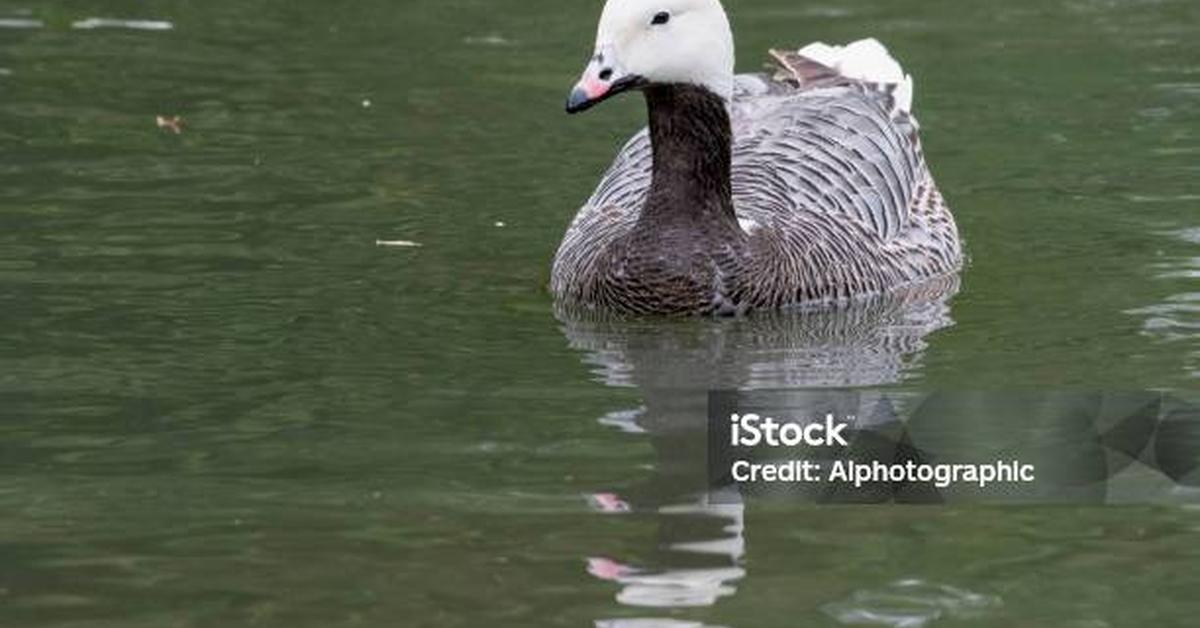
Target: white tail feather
x: 866, y: 60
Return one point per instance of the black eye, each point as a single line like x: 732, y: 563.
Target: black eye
x: 660, y: 18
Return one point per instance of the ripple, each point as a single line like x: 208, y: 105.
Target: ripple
x: 650, y: 622
x: 909, y: 604
x: 625, y: 420
x: 1180, y: 266
x: 1191, y: 235
x: 1167, y: 198
x: 1188, y: 268
x: 1175, y: 318
x: 1188, y: 88
x: 1176, y: 150
x: 826, y: 12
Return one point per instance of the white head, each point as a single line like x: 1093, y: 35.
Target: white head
x: 646, y: 42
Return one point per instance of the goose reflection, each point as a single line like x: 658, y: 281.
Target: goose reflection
x: 674, y: 364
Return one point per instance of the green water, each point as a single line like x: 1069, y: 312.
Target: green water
x: 221, y: 403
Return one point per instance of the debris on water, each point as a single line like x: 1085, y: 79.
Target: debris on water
x: 173, y: 124
x: 401, y: 243
x: 491, y: 39
x: 138, y: 25
x: 500, y: 223
x: 20, y: 23
x: 366, y: 103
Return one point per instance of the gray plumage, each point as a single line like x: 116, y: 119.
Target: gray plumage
x: 809, y: 188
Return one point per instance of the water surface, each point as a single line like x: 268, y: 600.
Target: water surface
x: 224, y: 404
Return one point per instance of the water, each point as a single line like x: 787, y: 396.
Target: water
x: 224, y: 404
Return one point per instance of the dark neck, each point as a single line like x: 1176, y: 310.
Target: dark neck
x: 690, y: 138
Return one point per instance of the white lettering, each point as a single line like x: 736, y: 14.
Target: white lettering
x: 751, y: 430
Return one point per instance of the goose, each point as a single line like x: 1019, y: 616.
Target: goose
x: 805, y: 186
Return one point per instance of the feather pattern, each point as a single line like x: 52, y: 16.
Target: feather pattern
x: 830, y: 192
